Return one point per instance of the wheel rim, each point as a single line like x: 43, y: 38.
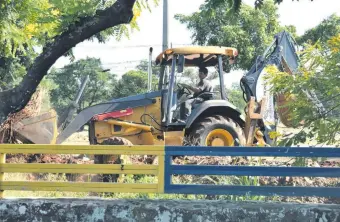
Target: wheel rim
x: 219, y: 137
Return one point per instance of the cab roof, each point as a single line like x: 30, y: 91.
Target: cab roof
x: 196, y: 55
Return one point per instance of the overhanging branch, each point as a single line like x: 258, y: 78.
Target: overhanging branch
x: 16, y: 99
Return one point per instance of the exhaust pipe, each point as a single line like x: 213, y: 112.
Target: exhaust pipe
x: 150, y: 71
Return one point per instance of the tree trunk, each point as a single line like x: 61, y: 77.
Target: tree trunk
x: 16, y: 99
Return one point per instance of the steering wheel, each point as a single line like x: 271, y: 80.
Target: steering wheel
x: 183, y: 88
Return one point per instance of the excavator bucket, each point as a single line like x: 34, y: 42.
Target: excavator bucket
x: 40, y: 129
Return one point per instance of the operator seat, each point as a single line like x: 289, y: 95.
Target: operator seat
x: 198, y: 100
x: 204, y: 96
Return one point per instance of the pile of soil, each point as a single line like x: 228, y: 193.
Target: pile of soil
x: 47, y: 158
x: 32, y: 109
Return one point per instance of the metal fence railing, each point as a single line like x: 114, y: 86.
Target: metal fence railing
x: 171, y: 169
x: 166, y: 169
x: 157, y: 170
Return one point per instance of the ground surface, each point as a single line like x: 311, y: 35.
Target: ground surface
x: 80, y: 138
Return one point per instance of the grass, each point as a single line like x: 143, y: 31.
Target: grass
x: 184, y: 179
x: 47, y: 194
x: 188, y: 179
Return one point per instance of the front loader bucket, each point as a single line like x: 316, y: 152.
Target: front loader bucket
x: 40, y: 129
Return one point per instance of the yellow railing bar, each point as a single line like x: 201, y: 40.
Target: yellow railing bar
x: 156, y: 170
x: 161, y: 166
x: 78, y: 187
x: 58, y: 146
x: 79, y: 168
x: 81, y: 149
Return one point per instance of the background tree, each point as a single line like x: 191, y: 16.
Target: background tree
x: 189, y: 75
x: 250, y: 31
x: 56, y: 27
x: 102, y: 85
x: 235, y: 96
x: 328, y: 28
x: 132, y: 83
x: 235, y: 5
x: 143, y: 66
x: 67, y: 82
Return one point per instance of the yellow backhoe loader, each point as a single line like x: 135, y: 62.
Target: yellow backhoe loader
x: 153, y: 118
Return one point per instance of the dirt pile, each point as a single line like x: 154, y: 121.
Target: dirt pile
x: 32, y: 109
x: 47, y: 158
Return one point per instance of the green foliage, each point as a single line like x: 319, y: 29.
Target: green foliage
x: 189, y: 76
x: 27, y: 25
x: 68, y: 79
x: 235, y: 96
x: 250, y: 31
x: 186, y: 179
x: 236, y: 4
x: 132, y: 83
x: 317, y: 81
x: 317, y: 75
x: 46, y: 194
x: 102, y: 86
x: 11, y: 72
x: 233, y: 5
x: 328, y: 28
x: 143, y: 66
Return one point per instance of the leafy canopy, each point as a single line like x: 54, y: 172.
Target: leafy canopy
x: 28, y: 23
x: 132, y: 83
x: 143, y: 66
x: 328, y: 28
x: 250, y: 31
x: 235, y: 5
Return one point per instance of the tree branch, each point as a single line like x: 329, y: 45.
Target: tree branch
x: 15, y: 99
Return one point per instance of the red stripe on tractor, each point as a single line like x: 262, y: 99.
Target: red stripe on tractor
x: 115, y: 114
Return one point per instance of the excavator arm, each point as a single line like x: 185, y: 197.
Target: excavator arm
x: 282, y: 53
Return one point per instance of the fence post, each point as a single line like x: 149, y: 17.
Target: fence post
x: 2, y: 161
x: 161, y: 169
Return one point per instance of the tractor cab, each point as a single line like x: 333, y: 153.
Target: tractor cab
x: 175, y: 85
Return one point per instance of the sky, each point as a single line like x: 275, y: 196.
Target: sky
x: 124, y: 55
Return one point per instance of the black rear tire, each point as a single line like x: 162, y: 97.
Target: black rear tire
x: 112, y: 159
x: 215, y: 124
